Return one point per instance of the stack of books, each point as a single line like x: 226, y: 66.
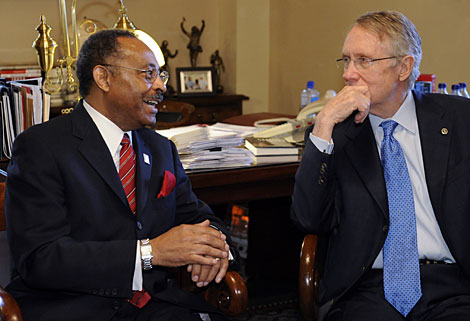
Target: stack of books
x: 271, y: 150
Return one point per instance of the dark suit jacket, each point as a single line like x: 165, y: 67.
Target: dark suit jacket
x: 343, y: 195
x: 71, y: 231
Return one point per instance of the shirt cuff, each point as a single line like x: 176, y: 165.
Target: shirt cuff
x: 137, y: 281
x: 322, y: 145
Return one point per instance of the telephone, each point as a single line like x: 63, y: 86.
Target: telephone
x: 293, y: 130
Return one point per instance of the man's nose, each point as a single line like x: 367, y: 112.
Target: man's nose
x: 158, y: 85
x: 350, y: 72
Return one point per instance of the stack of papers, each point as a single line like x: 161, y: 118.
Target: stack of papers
x: 215, y: 146
x: 224, y: 158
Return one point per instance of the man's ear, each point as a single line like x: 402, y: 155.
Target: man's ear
x: 406, y: 67
x: 101, y: 76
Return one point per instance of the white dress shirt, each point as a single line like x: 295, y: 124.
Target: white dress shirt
x: 431, y: 244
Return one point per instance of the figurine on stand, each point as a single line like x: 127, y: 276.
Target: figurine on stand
x: 167, y: 55
x: 218, y: 64
x: 194, y: 38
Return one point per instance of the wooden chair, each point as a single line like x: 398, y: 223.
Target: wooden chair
x: 172, y: 113
x: 230, y: 296
x: 309, y: 278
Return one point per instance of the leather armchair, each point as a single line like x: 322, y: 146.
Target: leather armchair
x: 172, y: 113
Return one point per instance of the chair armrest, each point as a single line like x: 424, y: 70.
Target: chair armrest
x: 230, y: 296
x: 308, y: 278
x: 9, y: 309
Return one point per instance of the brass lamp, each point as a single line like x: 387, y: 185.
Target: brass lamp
x: 45, y: 47
x: 125, y: 23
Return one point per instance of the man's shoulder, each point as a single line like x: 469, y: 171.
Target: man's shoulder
x: 444, y: 101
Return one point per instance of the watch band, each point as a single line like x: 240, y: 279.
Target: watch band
x: 146, y: 254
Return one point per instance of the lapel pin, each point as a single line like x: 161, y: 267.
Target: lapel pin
x: 444, y: 131
x: 146, y: 159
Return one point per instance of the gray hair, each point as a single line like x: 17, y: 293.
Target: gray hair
x: 402, y: 33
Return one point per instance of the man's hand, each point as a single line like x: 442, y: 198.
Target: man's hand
x: 202, y: 275
x: 348, y: 100
x: 190, y: 244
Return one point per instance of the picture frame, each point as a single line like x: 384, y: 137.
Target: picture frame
x: 195, y: 81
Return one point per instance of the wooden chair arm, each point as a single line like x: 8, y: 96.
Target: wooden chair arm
x: 9, y: 309
x: 308, y: 278
x: 230, y: 296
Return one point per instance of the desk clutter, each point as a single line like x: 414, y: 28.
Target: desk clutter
x: 223, y: 146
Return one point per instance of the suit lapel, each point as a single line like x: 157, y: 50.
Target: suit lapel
x: 369, y: 168
x: 94, y: 149
x: 144, y: 169
x: 435, y: 131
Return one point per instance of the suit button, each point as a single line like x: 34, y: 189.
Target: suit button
x: 363, y: 268
x: 107, y: 292
x: 101, y: 292
x: 331, y: 302
x: 116, y: 305
x: 114, y: 292
x: 139, y: 225
x: 94, y: 292
x: 321, y: 181
x: 385, y: 228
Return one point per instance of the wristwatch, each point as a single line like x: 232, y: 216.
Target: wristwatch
x: 146, y: 254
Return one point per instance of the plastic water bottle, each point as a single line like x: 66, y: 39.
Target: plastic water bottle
x: 313, y: 94
x: 309, y: 94
x: 442, y: 88
x: 455, y: 90
x: 463, y: 89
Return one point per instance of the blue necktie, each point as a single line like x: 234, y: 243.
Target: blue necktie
x: 402, y: 285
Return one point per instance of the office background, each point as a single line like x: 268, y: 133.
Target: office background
x: 270, y: 48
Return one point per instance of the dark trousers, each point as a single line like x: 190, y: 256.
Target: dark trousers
x: 160, y: 311
x: 446, y: 297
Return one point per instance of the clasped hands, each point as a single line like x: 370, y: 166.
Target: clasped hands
x: 199, y: 246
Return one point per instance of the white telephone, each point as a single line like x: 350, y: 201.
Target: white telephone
x: 293, y: 130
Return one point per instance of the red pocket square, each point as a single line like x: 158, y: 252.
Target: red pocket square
x: 169, y: 182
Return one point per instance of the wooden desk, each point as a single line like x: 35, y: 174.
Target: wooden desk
x: 244, y: 184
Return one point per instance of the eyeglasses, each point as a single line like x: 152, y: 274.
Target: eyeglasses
x: 359, y: 63
x: 150, y: 74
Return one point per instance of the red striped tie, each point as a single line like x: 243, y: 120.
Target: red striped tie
x: 127, y: 171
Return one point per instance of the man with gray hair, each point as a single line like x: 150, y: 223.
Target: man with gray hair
x: 384, y: 180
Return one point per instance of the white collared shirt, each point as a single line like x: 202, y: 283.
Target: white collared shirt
x: 112, y: 136
x: 431, y: 244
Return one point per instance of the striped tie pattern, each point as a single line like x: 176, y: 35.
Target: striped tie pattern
x: 127, y: 171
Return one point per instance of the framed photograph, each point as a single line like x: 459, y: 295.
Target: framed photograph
x: 197, y: 81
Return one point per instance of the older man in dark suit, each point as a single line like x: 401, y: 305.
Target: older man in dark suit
x: 98, y: 206
x: 385, y: 178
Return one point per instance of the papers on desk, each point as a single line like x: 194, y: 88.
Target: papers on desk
x: 212, y: 146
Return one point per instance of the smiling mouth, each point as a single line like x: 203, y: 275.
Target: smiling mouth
x: 151, y: 102
x: 155, y: 100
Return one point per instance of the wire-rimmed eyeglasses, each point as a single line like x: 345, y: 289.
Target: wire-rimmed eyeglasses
x: 150, y: 74
x: 359, y: 63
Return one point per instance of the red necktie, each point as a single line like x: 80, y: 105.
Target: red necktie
x: 127, y: 171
